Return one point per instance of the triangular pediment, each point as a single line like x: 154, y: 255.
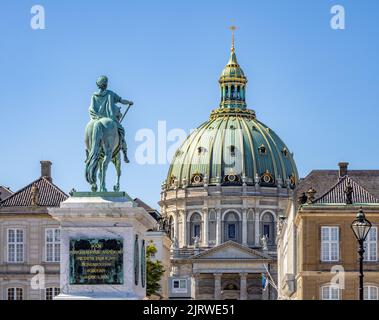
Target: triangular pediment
x: 233, y: 251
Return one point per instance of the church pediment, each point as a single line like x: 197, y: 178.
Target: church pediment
x: 233, y: 251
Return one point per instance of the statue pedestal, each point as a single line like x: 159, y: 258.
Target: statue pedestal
x: 102, y: 246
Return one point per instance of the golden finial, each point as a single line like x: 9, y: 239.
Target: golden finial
x: 233, y: 28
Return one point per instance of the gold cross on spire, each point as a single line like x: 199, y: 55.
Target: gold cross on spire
x: 233, y: 29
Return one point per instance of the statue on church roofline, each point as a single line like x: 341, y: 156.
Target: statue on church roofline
x: 105, y: 136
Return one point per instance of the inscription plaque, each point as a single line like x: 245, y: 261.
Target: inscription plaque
x: 96, y: 261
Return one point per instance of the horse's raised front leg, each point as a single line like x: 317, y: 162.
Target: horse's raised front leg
x: 117, y: 163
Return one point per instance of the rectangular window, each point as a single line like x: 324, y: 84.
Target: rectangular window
x: 52, y: 245
x: 232, y: 231
x: 179, y: 286
x: 371, y: 245
x: 196, y: 230
x: 50, y: 293
x: 266, y: 230
x: 370, y: 293
x: 15, y: 245
x: 329, y: 244
x: 15, y: 294
x: 330, y: 293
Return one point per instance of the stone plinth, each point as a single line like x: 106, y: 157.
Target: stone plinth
x: 93, y: 222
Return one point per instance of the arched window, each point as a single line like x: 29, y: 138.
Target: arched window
x: 232, y: 227
x: 268, y: 227
x: 232, y: 93
x: 195, y: 227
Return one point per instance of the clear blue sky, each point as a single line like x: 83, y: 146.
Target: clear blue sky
x: 316, y: 87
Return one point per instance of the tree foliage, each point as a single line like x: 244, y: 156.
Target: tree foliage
x: 154, y: 270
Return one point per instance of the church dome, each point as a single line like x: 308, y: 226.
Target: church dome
x: 233, y: 147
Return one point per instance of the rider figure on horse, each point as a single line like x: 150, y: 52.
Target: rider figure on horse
x: 103, y: 105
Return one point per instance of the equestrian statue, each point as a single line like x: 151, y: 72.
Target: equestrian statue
x: 105, y: 136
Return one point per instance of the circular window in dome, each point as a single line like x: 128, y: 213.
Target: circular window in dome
x: 232, y: 178
x: 197, y: 178
x: 267, y: 178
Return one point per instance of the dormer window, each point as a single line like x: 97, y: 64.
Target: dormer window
x: 262, y: 149
x: 285, y: 152
x: 201, y: 150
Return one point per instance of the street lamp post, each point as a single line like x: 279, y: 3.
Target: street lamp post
x: 361, y: 227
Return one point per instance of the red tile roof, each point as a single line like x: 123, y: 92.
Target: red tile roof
x: 49, y: 195
x: 337, y: 195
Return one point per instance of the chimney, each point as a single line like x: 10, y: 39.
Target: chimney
x: 343, y: 169
x: 46, y: 170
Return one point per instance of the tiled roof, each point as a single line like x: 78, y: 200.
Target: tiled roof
x: 324, y: 180
x: 153, y: 212
x: 337, y: 195
x: 5, y: 192
x: 49, y: 195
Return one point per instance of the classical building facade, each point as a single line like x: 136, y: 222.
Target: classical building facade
x: 226, y: 188
x: 318, y: 250
x: 29, y: 240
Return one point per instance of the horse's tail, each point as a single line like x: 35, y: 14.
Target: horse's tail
x: 93, y: 155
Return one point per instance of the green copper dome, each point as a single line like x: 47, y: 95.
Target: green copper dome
x: 233, y: 147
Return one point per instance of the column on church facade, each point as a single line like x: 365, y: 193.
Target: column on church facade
x: 218, y: 228
x: 176, y: 225
x: 243, y: 286
x: 195, y: 286
x: 257, y: 233
x: 217, y: 286
x: 244, y: 227
x: 184, y: 228
x: 205, y: 228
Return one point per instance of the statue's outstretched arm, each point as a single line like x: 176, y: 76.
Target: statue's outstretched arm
x: 126, y: 102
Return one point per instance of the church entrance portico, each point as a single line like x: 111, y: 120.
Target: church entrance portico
x: 228, y: 272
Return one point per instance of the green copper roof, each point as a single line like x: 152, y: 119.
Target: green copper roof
x: 233, y: 147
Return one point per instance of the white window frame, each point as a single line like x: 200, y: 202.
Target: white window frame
x: 15, y: 292
x: 180, y: 289
x: 329, y: 243
x: 371, y: 244
x: 368, y: 294
x: 330, y: 288
x: 54, y: 292
x: 53, y: 243
x: 13, y: 258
